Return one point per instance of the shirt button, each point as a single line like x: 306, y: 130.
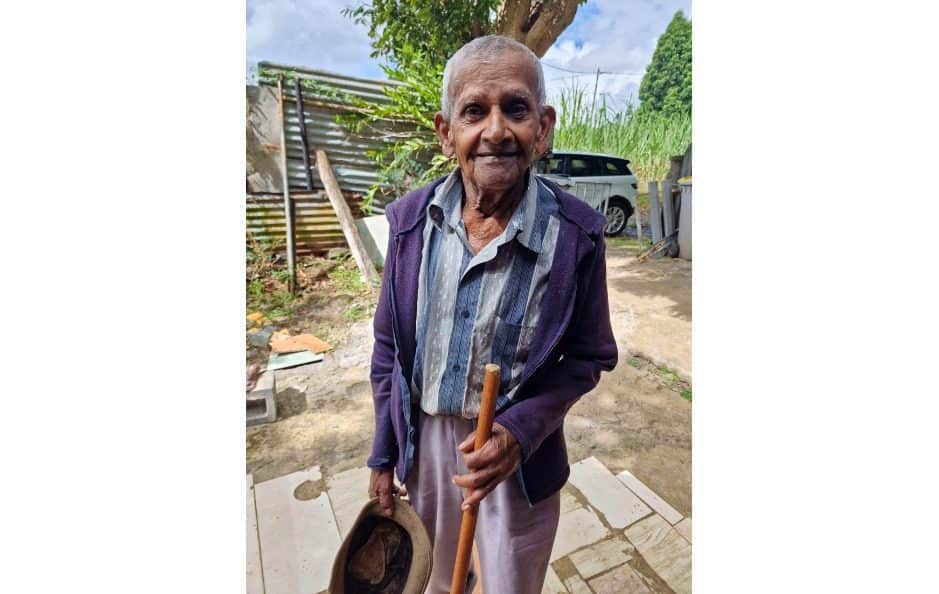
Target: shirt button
x: 465, y: 314
x: 456, y: 367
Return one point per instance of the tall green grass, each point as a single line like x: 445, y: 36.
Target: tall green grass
x: 646, y: 139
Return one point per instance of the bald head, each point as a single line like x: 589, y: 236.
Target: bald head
x: 486, y: 50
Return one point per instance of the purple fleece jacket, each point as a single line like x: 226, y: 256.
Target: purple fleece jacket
x: 573, y: 343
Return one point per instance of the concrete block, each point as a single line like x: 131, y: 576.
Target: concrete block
x: 348, y: 493
x: 552, y: 583
x: 261, y: 407
x: 684, y: 528
x: 374, y: 233
x: 299, y: 538
x: 623, y: 579
x: 601, y: 557
x: 577, y: 529
x: 650, y: 497
x: 665, y: 550
x: 618, y: 504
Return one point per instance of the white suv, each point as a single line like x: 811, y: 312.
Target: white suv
x: 603, y: 181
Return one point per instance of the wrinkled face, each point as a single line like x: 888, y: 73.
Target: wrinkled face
x: 495, y: 129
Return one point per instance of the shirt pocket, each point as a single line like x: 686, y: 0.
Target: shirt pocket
x: 511, y: 347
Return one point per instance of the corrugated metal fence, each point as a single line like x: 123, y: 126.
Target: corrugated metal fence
x: 316, y: 228
x: 325, y: 96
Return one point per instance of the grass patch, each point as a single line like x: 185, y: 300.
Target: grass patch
x: 347, y: 279
x: 663, y: 375
x: 629, y: 243
x: 666, y: 374
x: 647, y: 140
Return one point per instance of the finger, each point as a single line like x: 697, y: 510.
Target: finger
x: 487, y: 455
x: 386, y: 501
x: 475, y: 496
x: 467, y: 444
x: 474, y: 480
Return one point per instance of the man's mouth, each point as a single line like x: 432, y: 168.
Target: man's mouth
x: 499, y: 155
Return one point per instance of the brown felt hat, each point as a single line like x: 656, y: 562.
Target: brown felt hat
x: 383, y: 555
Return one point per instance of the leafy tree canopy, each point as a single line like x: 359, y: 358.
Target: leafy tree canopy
x: 434, y: 29
x: 666, y: 86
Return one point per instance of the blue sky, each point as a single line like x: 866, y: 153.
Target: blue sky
x: 618, y: 36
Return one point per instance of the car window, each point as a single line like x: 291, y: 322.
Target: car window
x: 616, y: 167
x: 584, y: 166
x: 551, y: 165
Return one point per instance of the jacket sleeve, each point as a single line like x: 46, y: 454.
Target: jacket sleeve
x: 384, y: 447
x: 588, y: 348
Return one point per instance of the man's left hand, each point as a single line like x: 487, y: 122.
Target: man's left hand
x: 490, y: 465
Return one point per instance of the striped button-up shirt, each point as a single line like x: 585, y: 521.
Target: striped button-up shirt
x: 475, y: 309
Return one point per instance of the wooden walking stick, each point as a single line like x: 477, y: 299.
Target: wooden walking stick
x: 487, y: 410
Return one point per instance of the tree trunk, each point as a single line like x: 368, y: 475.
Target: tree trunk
x: 535, y: 23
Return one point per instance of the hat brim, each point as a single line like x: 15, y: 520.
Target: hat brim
x: 421, y: 560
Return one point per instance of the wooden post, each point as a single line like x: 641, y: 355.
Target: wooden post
x: 369, y: 274
x: 655, y: 219
x: 684, y: 223
x: 668, y: 208
x: 288, y: 204
x: 303, y: 142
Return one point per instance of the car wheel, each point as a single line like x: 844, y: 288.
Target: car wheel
x: 617, y: 213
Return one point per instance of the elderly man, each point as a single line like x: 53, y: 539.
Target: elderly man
x: 490, y: 264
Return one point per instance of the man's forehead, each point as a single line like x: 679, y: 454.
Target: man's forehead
x: 503, y: 92
x: 512, y: 75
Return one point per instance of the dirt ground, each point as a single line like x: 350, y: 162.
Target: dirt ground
x: 636, y: 418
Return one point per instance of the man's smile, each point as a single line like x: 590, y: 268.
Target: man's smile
x: 498, y: 155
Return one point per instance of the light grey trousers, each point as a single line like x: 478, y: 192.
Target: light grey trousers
x: 514, y: 539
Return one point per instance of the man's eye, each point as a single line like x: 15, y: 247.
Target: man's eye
x: 518, y: 110
x: 473, y: 111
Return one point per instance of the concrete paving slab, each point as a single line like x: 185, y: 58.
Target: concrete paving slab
x: 650, y: 497
x: 552, y: 584
x: 255, y: 578
x: 576, y: 529
x: 298, y: 539
x: 618, y: 504
x: 348, y: 493
x: 601, y: 557
x: 622, y: 580
x: 576, y: 585
x: 664, y: 549
x: 684, y: 528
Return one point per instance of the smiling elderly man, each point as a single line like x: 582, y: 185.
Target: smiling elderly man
x: 490, y: 264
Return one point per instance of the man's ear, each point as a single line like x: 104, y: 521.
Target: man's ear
x: 548, y: 118
x: 442, y: 127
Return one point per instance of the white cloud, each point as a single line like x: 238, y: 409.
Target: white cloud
x: 616, y: 37
x: 311, y: 33
x: 613, y: 35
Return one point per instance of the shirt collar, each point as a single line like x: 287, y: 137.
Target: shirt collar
x: 447, y: 204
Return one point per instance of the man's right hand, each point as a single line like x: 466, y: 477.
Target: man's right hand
x: 382, y: 485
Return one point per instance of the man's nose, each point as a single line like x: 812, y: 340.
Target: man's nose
x: 496, y: 130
